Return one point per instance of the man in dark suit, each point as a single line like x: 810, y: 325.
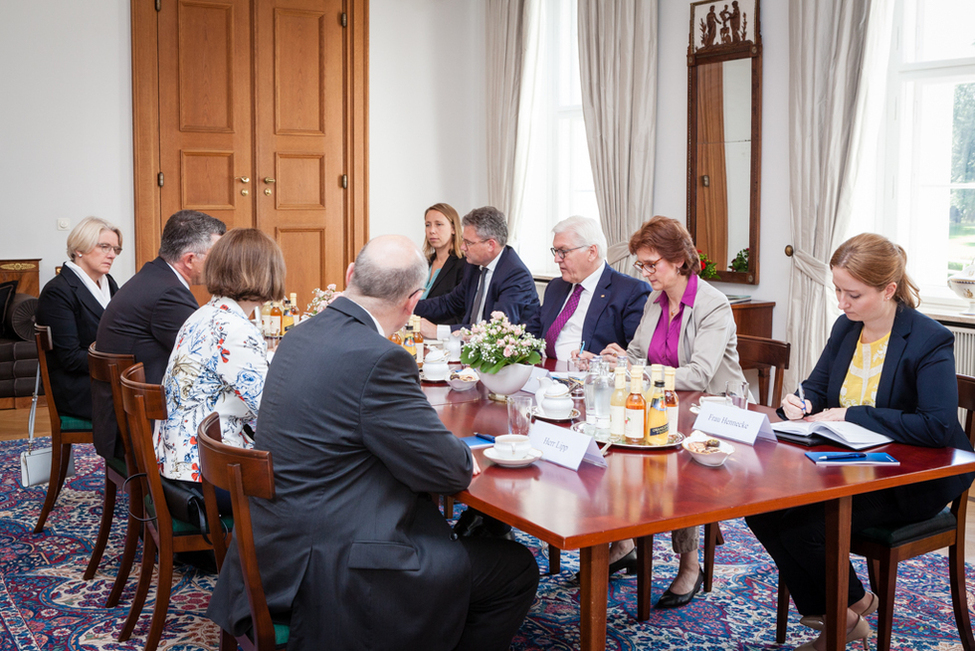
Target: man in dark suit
x: 495, y: 280
x: 146, y: 314
x: 352, y: 547
x: 592, y: 304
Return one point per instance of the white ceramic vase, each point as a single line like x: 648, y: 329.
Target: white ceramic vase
x: 508, y: 380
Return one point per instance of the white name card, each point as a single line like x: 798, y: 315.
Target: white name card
x: 563, y: 446
x: 733, y: 423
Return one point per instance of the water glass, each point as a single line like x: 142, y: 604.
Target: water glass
x: 519, y: 414
x: 737, y: 392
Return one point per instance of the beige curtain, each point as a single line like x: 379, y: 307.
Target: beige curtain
x: 834, y: 46
x: 618, y: 65
x: 512, y: 56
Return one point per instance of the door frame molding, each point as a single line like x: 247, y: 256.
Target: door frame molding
x: 145, y: 127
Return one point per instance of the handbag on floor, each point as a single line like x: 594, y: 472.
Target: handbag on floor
x: 35, y: 465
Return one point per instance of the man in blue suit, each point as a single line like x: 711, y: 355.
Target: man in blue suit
x: 592, y: 305
x: 495, y: 280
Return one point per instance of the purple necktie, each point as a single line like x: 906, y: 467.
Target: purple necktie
x: 561, y: 320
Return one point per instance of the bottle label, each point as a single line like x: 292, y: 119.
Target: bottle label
x: 672, y: 414
x: 633, y: 427
x: 419, y: 354
x: 658, y: 430
x: 617, y: 417
x: 275, y: 326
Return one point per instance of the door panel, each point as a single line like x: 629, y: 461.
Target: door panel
x: 205, y: 113
x: 301, y: 144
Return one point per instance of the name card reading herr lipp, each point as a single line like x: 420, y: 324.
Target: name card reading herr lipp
x: 563, y: 446
x: 733, y: 423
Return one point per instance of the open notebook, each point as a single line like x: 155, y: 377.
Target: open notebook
x: 843, y: 433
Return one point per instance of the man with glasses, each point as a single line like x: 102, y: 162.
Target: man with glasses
x: 495, y: 279
x: 592, y: 305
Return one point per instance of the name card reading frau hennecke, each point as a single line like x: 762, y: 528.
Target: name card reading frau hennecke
x: 733, y: 423
x: 563, y: 446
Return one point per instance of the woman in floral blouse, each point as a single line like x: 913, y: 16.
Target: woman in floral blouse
x: 220, y: 359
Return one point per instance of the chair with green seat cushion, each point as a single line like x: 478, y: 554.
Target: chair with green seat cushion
x: 885, y: 548
x: 108, y: 368
x: 65, y: 430
x: 242, y: 473
x: 143, y: 403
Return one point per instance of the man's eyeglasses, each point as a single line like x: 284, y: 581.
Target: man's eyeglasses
x: 647, y: 266
x: 469, y: 244
x: 105, y: 248
x: 561, y: 253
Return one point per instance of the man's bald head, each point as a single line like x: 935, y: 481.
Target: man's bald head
x: 389, y: 268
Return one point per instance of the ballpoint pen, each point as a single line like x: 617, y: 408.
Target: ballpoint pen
x: 802, y: 396
x: 846, y: 456
x: 485, y: 437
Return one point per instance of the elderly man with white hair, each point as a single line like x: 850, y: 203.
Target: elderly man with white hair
x: 592, y: 305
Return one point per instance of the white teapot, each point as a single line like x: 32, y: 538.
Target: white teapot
x: 963, y: 284
x: 553, y: 399
x: 453, y: 346
x: 435, y: 365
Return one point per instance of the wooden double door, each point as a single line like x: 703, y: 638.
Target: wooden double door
x: 253, y: 111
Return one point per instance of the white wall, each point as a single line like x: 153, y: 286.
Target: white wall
x: 65, y: 125
x: 670, y: 177
x: 427, y: 139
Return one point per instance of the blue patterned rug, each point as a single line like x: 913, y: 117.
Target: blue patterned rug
x: 45, y: 604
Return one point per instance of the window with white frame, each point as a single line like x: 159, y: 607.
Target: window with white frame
x: 559, y: 180
x: 928, y: 203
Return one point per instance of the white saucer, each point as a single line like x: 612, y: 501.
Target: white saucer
x: 532, y: 457
x: 695, y: 409
x: 572, y: 415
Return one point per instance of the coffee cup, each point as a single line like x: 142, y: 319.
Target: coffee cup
x: 512, y: 446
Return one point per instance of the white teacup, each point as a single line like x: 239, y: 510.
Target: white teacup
x: 435, y: 365
x: 512, y: 446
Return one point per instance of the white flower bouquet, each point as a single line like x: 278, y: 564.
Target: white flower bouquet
x: 322, y: 299
x: 492, y: 345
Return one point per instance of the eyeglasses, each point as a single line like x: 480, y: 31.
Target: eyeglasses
x: 105, y: 248
x: 469, y: 244
x: 647, y: 266
x: 561, y: 253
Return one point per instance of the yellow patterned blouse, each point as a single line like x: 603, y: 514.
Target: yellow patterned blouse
x: 863, y: 376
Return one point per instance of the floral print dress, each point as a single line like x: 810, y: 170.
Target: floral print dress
x: 218, y: 365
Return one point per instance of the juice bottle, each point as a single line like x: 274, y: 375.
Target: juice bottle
x: 617, y: 406
x: 636, y: 407
x: 671, y: 399
x: 657, y: 432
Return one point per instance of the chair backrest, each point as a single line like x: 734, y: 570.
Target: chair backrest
x: 759, y: 351
x: 45, y: 344
x: 243, y: 473
x: 966, y: 401
x: 144, y: 403
x: 108, y: 368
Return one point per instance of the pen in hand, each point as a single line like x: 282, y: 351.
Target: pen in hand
x: 802, y: 397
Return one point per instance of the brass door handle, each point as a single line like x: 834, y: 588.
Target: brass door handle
x: 243, y: 179
x: 268, y: 179
x: 267, y: 190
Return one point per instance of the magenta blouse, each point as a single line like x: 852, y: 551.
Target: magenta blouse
x: 666, y: 338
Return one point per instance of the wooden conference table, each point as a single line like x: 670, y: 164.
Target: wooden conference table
x: 640, y: 494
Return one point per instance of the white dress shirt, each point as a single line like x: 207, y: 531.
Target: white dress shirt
x: 571, y: 336
x: 443, y: 331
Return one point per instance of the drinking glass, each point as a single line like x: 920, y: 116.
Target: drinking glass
x: 737, y: 392
x: 519, y: 414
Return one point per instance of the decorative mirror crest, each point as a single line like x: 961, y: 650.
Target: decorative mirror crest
x: 724, y: 120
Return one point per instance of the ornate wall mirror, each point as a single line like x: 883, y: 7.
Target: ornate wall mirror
x: 724, y: 135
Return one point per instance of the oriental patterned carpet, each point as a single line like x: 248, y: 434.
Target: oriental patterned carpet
x: 45, y: 603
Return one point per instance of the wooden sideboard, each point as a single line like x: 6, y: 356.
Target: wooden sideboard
x: 25, y: 272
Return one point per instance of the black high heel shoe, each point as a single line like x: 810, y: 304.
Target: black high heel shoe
x: 672, y: 600
x: 626, y: 562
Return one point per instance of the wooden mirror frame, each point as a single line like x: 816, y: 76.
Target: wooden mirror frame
x: 749, y: 48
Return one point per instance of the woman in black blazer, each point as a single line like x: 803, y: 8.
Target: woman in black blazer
x: 890, y: 369
x: 442, y: 247
x: 71, y: 304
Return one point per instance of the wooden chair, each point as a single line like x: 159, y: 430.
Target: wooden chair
x: 243, y: 473
x: 65, y: 430
x: 885, y: 548
x: 163, y: 533
x: 108, y: 368
x: 762, y: 353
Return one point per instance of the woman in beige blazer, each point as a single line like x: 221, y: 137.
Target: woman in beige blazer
x: 686, y: 324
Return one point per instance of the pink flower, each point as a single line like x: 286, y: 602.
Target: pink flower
x: 508, y: 351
